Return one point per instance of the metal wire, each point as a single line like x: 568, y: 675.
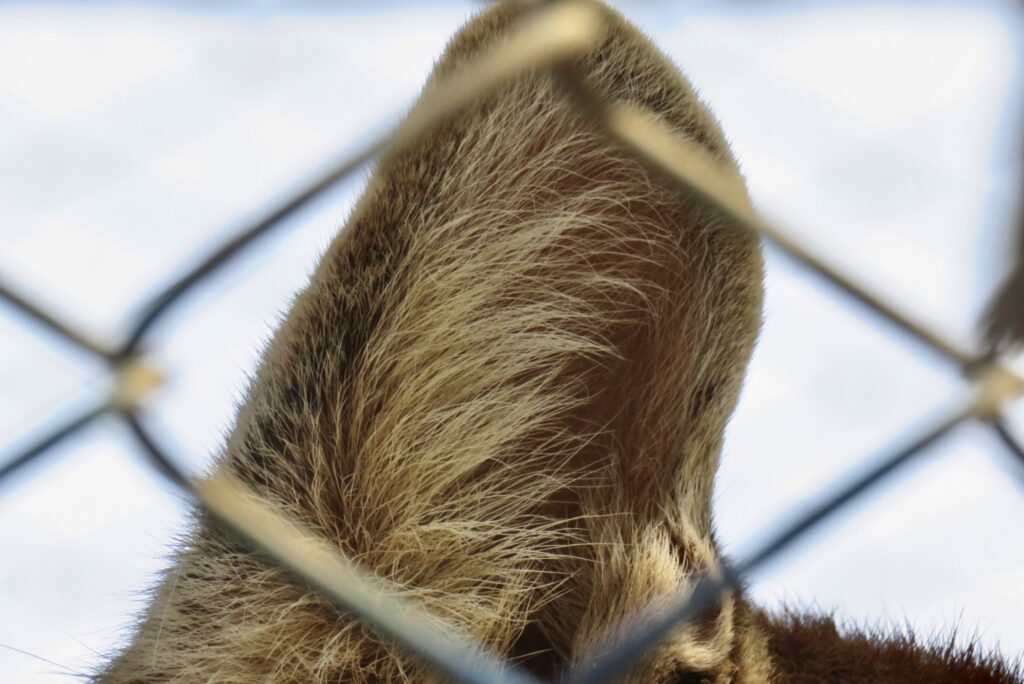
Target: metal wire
x: 54, y: 436
x: 63, y: 329
x: 551, y: 34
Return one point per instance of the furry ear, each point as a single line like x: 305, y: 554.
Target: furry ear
x: 503, y: 391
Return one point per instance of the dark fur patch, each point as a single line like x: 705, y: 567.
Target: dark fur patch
x: 812, y: 649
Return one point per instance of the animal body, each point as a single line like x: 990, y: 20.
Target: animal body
x: 504, y: 392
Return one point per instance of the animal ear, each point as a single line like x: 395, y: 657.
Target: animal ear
x: 503, y: 392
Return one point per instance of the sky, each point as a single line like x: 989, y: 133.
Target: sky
x: 134, y: 137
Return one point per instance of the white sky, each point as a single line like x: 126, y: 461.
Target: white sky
x: 133, y: 137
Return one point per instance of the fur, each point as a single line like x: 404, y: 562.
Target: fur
x: 504, y: 391
x: 808, y: 649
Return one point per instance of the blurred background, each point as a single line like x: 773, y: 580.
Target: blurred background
x: 134, y: 137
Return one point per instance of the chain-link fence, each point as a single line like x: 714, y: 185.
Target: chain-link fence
x: 550, y: 36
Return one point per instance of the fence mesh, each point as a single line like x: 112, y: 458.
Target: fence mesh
x: 548, y: 37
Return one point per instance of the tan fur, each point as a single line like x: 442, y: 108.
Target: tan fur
x: 504, y: 392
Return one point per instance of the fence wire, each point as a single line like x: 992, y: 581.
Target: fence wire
x: 550, y: 36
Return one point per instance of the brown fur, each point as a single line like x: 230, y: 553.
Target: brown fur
x: 504, y: 392
x: 810, y: 648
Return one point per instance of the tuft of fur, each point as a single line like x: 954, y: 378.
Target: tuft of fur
x: 503, y: 391
x: 811, y: 648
